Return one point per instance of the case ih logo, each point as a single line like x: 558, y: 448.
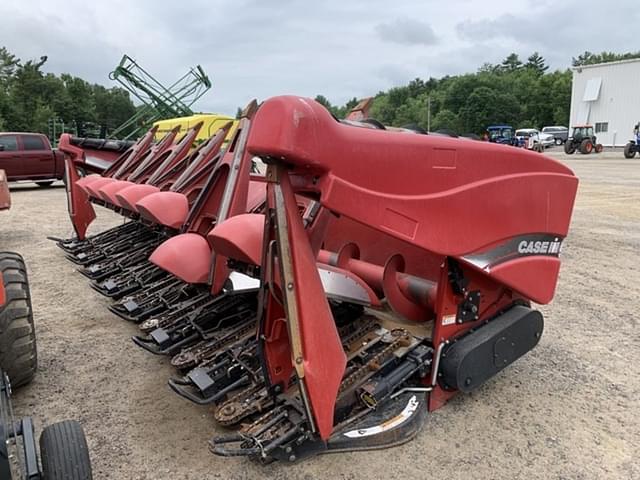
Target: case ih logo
x: 521, y: 246
x: 539, y: 247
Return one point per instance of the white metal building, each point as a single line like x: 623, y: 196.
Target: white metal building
x: 607, y: 96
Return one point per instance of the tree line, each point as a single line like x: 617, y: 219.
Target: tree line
x: 524, y: 94
x: 31, y: 99
x: 515, y: 92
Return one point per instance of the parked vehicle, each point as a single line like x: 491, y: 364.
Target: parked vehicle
x: 582, y: 139
x: 64, y: 454
x: 560, y: 134
x: 29, y: 156
x: 544, y: 139
x: 502, y: 134
x: 633, y: 146
x: 529, y: 138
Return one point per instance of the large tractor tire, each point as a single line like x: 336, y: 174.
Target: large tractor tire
x: 629, y: 150
x: 569, y: 148
x: 64, y: 452
x: 586, y: 147
x: 18, y: 355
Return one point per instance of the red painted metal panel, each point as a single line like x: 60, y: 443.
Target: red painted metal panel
x: 534, y: 277
x: 121, y: 165
x: 84, y: 181
x: 446, y: 196
x: 186, y: 256
x: 239, y: 238
x: 80, y: 209
x: 107, y: 192
x: 93, y: 187
x: 324, y: 359
x: 129, y: 196
x: 164, y: 208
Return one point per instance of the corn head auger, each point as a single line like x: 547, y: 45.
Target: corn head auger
x: 328, y: 305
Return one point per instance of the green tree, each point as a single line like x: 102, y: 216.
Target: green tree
x: 411, y: 112
x: 511, y: 63
x: 589, y: 58
x: 336, y: 111
x: 485, y: 106
x: 8, y: 65
x: 112, y: 106
x: 24, y: 94
x: 382, y: 110
x: 585, y: 58
x: 536, y: 63
x: 488, y: 68
x: 29, y: 98
x: 352, y: 103
x: 446, y: 120
x: 523, y: 95
x: 322, y: 100
x: 81, y: 105
x: 417, y: 87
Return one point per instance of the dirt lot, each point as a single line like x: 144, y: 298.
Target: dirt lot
x: 568, y: 410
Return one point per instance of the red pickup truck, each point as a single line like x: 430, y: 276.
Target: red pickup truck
x: 29, y: 156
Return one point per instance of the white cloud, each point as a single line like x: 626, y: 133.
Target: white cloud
x: 408, y: 32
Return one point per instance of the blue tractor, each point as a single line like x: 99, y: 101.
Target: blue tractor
x: 502, y: 134
x: 633, y: 147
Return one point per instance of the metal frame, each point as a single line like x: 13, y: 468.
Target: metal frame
x: 158, y: 101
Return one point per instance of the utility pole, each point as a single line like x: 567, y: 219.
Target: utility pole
x: 428, y: 113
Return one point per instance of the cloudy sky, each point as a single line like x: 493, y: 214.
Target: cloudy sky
x: 339, y: 48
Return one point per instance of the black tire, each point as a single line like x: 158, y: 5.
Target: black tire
x: 18, y: 353
x: 629, y: 150
x: 64, y: 452
x: 586, y: 147
x: 45, y: 184
x: 569, y: 148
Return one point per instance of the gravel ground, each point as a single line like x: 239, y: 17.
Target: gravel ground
x: 567, y: 410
